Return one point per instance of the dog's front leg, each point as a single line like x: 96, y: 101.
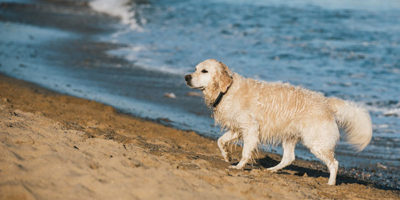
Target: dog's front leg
x: 250, y: 142
x: 222, y: 143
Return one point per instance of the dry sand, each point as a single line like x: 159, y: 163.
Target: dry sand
x: 54, y: 146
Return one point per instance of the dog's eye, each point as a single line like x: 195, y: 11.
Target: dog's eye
x: 204, y: 71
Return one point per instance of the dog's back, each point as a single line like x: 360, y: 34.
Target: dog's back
x: 281, y: 110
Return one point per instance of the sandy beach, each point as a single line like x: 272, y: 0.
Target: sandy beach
x: 60, y: 147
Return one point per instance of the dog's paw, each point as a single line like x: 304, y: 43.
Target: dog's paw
x: 272, y: 169
x: 226, y: 156
x: 235, y: 167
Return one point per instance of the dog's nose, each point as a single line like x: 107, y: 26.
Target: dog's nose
x: 188, y: 77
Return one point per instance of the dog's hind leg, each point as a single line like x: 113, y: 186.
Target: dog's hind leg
x: 222, y: 143
x: 321, y: 141
x: 327, y: 156
x: 288, y: 155
x: 250, y: 142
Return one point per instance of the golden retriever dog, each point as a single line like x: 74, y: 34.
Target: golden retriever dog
x: 272, y: 113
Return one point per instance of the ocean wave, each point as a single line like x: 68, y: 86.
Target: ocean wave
x: 118, y: 8
x: 133, y: 54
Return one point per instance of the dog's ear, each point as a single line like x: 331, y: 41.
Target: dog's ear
x: 225, y: 78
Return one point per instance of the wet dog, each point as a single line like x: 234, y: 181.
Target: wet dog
x: 271, y: 113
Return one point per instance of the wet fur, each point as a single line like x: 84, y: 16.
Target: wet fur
x: 272, y: 113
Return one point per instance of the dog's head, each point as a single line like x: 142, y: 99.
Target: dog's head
x: 211, y: 76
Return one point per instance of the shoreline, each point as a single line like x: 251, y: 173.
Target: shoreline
x: 185, y: 154
x: 102, y: 122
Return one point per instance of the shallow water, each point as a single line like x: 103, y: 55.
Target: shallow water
x: 346, y: 49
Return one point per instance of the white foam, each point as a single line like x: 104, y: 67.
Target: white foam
x: 117, y: 8
x: 133, y: 54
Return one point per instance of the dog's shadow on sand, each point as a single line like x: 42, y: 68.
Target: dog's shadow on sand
x: 268, y: 162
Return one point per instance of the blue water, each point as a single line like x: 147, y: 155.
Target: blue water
x: 348, y: 49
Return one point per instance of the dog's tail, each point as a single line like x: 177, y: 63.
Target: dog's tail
x: 354, y: 120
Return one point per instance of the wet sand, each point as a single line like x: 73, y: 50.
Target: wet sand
x: 60, y: 147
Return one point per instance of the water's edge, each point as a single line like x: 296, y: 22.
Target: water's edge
x: 75, y: 61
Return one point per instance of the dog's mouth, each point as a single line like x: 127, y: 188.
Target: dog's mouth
x: 191, y: 86
x: 199, y: 88
x: 189, y: 83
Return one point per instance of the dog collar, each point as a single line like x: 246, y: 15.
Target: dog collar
x: 219, y: 98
